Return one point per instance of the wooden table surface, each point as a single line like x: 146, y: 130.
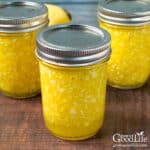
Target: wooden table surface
x: 21, y: 122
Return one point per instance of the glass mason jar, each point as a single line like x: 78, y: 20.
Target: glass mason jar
x: 73, y: 60
x: 19, y: 24
x: 128, y: 22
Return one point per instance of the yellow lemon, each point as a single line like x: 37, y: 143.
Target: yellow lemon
x: 57, y: 15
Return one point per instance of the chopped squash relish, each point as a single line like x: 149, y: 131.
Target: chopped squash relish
x: 73, y: 99
x: 129, y: 66
x: 19, y: 74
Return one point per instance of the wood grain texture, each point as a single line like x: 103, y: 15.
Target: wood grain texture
x: 22, y: 126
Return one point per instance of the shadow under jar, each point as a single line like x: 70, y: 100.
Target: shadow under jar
x: 128, y: 22
x: 19, y: 24
x: 73, y: 61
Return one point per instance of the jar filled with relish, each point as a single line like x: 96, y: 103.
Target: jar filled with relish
x: 73, y: 66
x: 19, y: 24
x: 128, y: 22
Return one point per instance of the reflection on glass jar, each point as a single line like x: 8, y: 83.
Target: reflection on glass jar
x: 73, y: 79
x: 129, y: 66
x: 19, y: 74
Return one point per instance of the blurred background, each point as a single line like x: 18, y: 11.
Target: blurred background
x: 82, y: 11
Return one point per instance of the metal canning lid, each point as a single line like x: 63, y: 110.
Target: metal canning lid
x: 22, y: 16
x: 73, y: 45
x: 125, y: 12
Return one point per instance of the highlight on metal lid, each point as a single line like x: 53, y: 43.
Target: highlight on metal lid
x: 125, y: 12
x: 73, y: 45
x: 22, y: 16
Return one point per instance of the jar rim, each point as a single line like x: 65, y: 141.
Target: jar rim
x: 124, y: 12
x: 22, y: 16
x: 54, y: 52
